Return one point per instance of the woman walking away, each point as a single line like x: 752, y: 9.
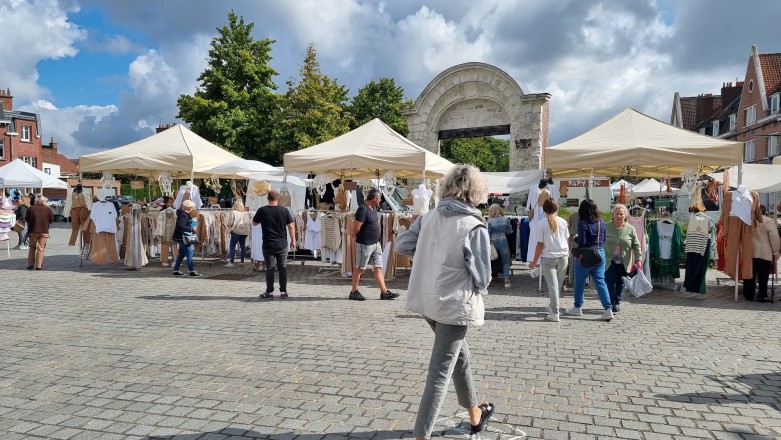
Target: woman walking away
x: 552, y: 250
x: 452, y: 271
x: 498, y: 228
x: 239, y: 229
x: 186, y: 222
x: 623, y: 245
x: 591, y: 234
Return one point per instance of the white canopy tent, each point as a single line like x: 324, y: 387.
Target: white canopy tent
x: 241, y: 168
x: 651, y: 187
x: 19, y: 174
x: 513, y: 181
x: 365, y: 152
x: 176, y: 150
x: 632, y: 143
x: 762, y: 178
x: 615, y: 188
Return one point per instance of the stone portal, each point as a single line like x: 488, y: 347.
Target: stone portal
x: 477, y: 99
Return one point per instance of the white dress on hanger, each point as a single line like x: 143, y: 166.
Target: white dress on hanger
x: 313, y: 240
x: 256, y: 250
x: 194, y: 194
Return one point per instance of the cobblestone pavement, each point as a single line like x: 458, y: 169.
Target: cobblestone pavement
x: 100, y: 352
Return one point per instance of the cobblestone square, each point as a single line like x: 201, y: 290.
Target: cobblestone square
x: 101, y: 352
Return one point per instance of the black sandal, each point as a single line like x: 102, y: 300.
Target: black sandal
x: 487, y: 410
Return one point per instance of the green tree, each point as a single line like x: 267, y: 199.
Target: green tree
x: 383, y: 100
x: 233, y: 106
x: 313, y: 110
x: 486, y: 153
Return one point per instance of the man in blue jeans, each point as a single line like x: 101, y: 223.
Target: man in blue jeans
x: 277, y: 223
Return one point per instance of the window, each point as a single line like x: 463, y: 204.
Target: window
x: 29, y: 160
x: 715, y: 128
x: 751, y: 115
x: 775, y: 103
x: 26, y: 133
x: 749, y: 151
x: 2, y: 148
x: 772, y: 145
x: 47, y: 170
x: 732, y: 122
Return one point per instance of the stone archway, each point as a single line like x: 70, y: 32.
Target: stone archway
x: 478, y: 99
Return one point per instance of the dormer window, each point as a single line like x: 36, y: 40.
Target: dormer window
x: 775, y: 103
x: 715, y: 126
x: 733, y: 122
x: 26, y: 133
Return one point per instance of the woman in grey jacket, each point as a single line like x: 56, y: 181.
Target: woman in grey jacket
x: 452, y: 271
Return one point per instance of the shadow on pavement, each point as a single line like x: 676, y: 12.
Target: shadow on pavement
x: 244, y: 434
x: 251, y: 298
x: 760, y: 389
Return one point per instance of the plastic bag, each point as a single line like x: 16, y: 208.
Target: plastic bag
x: 637, y: 284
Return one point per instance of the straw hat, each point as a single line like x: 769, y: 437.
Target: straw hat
x: 261, y: 187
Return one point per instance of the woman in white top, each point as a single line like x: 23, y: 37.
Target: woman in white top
x: 239, y: 229
x: 552, y: 250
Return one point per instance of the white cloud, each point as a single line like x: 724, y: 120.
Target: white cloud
x: 61, y: 123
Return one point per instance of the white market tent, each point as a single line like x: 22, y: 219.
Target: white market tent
x: 176, y: 150
x: 366, y: 152
x: 632, y: 143
x: 762, y: 178
x: 18, y: 174
x: 615, y: 187
x: 513, y: 181
x: 242, y: 168
x: 651, y: 187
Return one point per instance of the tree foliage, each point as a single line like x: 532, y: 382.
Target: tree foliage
x: 486, y: 153
x: 383, y: 100
x: 313, y: 110
x: 234, y: 105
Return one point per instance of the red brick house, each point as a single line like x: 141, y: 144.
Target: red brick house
x: 20, y: 133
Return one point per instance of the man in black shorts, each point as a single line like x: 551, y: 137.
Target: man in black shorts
x: 276, y: 223
x: 367, y: 246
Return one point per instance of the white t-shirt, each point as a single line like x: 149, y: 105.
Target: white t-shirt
x: 104, y: 216
x: 554, y: 244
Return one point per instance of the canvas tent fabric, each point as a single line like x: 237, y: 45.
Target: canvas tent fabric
x: 615, y: 188
x: 176, y: 150
x: 632, y: 143
x: 651, y: 187
x: 241, y: 168
x: 366, y: 151
x: 513, y: 181
x: 762, y: 178
x: 19, y: 174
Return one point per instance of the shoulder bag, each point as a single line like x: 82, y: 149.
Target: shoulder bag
x: 589, y: 256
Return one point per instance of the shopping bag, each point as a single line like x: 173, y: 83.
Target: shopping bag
x: 189, y: 238
x: 494, y: 253
x: 637, y: 284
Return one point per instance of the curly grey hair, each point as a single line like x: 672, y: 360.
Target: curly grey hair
x: 464, y: 183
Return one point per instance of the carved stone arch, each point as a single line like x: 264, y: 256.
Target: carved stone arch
x: 478, y: 99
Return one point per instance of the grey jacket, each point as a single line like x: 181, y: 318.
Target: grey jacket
x: 452, y: 265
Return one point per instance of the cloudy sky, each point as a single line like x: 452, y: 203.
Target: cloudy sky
x: 103, y: 73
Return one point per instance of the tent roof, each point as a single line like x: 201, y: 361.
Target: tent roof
x: 242, y: 168
x: 513, y: 181
x: 176, y: 150
x: 764, y: 178
x: 637, y: 144
x: 651, y: 187
x: 362, y: 153
x: 20, y: 175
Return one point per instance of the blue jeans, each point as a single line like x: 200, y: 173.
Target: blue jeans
x: 242, y: 242
x: 614, y: 277
x: 503, y: 249
x: 597, y: 273
x: 278, y: 258
x: 184, y: 251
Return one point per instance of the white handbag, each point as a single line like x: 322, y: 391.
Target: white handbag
x: 494, y: 253
x: 637, y: 284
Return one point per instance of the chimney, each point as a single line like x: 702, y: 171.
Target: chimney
x: 730, y: 93
x: 163, y: 127
x: 53, y: 144
x: 7, y: 100
x: 704, y: 107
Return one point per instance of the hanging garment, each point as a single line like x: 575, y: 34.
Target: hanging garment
x: 696, y: 269
x: 639, y: 223
x: 665, y: 248
x: 524, y: 230
x: 188, y: 193
x: 104, y: 216
x: 313, y: 239
x: 738, y: 232
x: 256, y: 248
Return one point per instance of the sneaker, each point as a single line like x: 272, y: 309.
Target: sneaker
x: 178, y: 273
x: 575, y: 311
x: 616, y: 308
x: 166, y: 264
x: 389, y: 295
x: 552, y: 318
x: 266, y: 296
x: 507, y: 285
x: 30, y: 268
x: 24, y: 246
x: 195, y: 274
x: 356, y: 296
x: 283, y: 295
x: 607, y: 315
x: 230, y: 265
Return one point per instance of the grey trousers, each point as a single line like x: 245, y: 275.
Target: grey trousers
x: 449, y: 357
x: 554, y: 270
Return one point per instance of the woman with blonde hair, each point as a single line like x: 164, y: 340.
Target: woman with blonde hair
x: 450, y: 276
x: 498, y: 229
x: 552, y: 250
x: 239, y: 227
x: 622, y: 246
x: 186, y: 223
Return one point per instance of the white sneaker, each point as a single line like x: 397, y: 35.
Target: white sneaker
x: 230, y: 265
x: 23, y: 247
x: 607, y: 315
x: 575, y: 311
x: 552, y: 318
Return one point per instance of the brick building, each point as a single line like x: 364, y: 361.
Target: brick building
x: 20, y: 133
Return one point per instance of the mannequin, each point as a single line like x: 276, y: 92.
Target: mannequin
x: 538, y: 193
x: 738, y: 221
x: 79, y: 213
x: 421, y: 198
x: 188, y: 191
